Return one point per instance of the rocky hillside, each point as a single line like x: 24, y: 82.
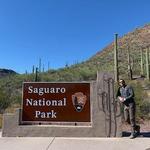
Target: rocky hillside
x: 6, y: 72
x: 133, y: 41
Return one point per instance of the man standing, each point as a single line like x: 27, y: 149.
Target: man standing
x: 126, y: 95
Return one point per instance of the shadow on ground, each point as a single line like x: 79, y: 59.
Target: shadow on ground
x: 142, y: 134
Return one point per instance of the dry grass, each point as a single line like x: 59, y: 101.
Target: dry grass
x: 12, y: 108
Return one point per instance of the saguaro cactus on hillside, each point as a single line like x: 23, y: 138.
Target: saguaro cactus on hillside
x: 129, y: 64
x: 43, y: 69
x: 39, y: 65
x: 48, y: 66
x: 33, y: 69
x: 142, y: 63
x: 36, y: 74
x: 147, y: 63
x: 116, y: 57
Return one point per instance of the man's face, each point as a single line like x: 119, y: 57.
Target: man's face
x: 121, y: 83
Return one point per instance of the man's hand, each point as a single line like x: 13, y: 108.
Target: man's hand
x: 122, y: 99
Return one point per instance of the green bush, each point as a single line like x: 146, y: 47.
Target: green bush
x: 4, y: 101
x: 144, y: 110
x: 142, y: 105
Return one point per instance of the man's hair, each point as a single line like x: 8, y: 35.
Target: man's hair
x: 121, y: 80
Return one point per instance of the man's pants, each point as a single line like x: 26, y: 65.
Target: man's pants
x: 129, y: 115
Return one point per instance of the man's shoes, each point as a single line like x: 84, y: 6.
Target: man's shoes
x: 133, y: 135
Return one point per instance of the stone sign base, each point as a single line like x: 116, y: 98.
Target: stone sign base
x: 11, y: 128
x: 104, y: 123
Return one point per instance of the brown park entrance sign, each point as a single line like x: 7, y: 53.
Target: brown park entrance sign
x: 56, y: 102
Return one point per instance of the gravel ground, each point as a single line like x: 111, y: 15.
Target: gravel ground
x: 144, y: 128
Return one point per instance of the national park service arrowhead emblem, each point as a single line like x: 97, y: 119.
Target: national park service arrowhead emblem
x: 79, y: 101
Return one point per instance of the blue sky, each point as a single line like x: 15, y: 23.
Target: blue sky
x: 63, y: 31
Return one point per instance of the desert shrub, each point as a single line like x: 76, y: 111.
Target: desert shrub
x: 144, y: 109
x: 142, y: 105
x: 4, y: 101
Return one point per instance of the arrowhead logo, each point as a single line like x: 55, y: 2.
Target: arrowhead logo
x: 79, y: 101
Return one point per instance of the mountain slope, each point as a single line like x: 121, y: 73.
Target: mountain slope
x: 134, y: 41
x: 6, y: 72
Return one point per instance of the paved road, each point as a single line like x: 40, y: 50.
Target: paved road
x: 52, y: 143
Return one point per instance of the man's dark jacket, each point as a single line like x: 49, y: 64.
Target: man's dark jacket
x: 126, y: 92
